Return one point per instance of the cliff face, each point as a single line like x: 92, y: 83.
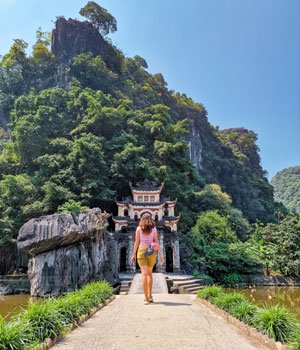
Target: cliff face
x: 71, y: 37
x: 68, y: 251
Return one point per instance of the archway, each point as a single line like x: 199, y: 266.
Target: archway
x: 123, y: 264
x: 169, y: 259
x: 126, y: 212
x: 156, y: 217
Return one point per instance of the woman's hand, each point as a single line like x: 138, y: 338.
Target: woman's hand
x: 133, y: 258
x: 161, y: 259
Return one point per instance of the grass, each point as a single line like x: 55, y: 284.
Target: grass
x: 51, y: 317
x: 14, y: 335
x: 244, y: 311
x: 210, y: 292
x: 294, y: 340
x: 228, y: 301
x: 275, y: 321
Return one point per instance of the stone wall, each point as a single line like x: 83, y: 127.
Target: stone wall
x: 67, y: 251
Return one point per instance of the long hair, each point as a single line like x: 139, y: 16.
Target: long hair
x: 146, y: 223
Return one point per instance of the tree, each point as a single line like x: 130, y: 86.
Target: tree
x: 99, y: 17
x: 214, y: 228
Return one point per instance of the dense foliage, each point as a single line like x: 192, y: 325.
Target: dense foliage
x: 277, y: 246
x: 286, y: 184
x: 75, y: 132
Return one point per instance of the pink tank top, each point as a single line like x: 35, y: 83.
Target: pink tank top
x: 146, y: 240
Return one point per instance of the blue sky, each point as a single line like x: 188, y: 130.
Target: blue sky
x: 240, y: 58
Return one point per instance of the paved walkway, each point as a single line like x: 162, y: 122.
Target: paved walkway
x: 173, y: 322
x: 159, y: 284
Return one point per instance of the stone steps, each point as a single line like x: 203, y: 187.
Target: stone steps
x: 187, y: 282
x: 193, y: 290
x: 186, y: 285
x: 126, y: 281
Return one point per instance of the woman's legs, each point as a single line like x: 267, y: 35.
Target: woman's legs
x: 144, y: 270
x: 149, y: 280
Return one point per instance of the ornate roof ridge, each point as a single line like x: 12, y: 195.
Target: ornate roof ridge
x: 146, y: 185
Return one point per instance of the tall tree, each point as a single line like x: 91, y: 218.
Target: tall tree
x: 99, y: 17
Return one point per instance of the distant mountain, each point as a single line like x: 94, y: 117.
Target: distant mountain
x: 286, y: 185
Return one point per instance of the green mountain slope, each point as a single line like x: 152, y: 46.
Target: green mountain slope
x: 80, y: 120
x: 286, y: 185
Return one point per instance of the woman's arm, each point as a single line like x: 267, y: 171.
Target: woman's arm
x: 136, y: 243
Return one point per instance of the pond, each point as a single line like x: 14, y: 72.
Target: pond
x: 11, y: 304
x: 286, y: 296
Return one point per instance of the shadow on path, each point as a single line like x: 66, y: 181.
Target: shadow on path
x: 168, y: 303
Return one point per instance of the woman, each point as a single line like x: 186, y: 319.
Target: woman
x: 145, y: 234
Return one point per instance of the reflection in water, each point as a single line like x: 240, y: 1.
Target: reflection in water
x: 286, y: 296
x: 11, y: 304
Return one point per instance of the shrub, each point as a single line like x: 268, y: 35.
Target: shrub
x: 232, y: 279
x: 276, y: 321
x: 244, y: 311
x: 210, y: 292
x: 208, y: 280
x: 228, y: 301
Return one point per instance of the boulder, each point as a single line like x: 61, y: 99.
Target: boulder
x: 54, y: 231
x: 67, y: 268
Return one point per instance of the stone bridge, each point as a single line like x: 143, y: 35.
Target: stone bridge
x: 172, y: 322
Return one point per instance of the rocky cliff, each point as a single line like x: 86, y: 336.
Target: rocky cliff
x: 67, y: 251
x: 71, y: 37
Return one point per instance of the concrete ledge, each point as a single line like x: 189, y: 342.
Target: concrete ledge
x: 48, y: 343
x: 250, y: 331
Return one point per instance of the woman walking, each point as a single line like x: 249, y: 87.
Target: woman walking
x: 146, y: 233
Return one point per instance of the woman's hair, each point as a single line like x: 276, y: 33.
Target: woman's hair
x: 146, y: 223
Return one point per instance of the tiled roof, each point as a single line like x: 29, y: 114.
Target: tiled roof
x: 146, y: 185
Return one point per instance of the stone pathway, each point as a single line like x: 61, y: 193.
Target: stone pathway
x: 159, y: 284
x: 173, y: 322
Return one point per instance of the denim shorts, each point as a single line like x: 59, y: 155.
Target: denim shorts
x: 149, y: 260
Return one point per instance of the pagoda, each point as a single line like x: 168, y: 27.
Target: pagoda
x: 146, y: 198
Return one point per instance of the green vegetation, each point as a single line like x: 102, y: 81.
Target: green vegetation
x: 227, y: 301
x: 71, y: 206
x: 294, y: 340
x: 275, y: 321
x: 110, y: 122
x: 210, y: 292
x: 286, y: 184
x: 244, y: 311
x: 232, y: 279
x: 276, y: 246
x: 99, y: 17
x: 51, y: 317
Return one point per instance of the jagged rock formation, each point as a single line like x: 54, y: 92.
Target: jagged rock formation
x: 195, y: 146
x: 68, y: 251
x: 71, y: 37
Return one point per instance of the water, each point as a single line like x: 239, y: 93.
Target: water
x: 285, y: 296
x: 12, y: 304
